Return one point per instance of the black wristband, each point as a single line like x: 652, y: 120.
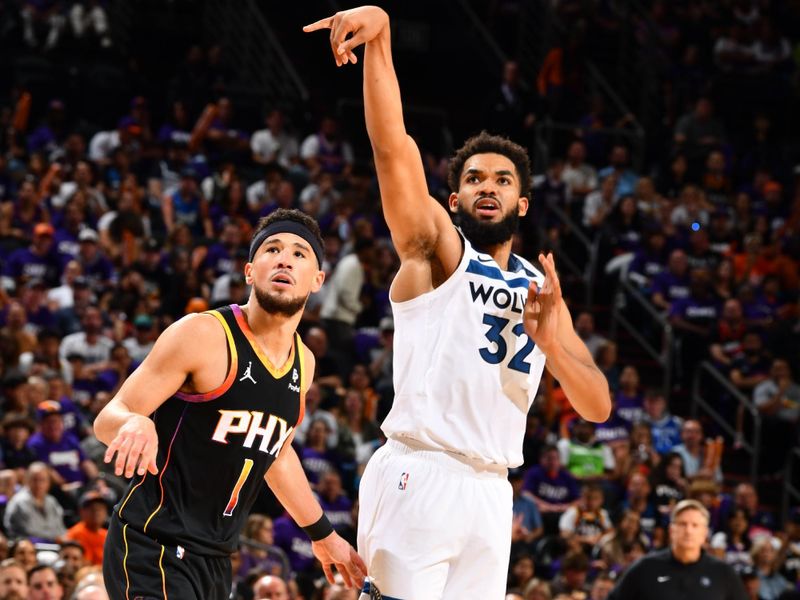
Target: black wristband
x: 319, y: 530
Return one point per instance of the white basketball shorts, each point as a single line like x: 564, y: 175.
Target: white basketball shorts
x: 432, y: 526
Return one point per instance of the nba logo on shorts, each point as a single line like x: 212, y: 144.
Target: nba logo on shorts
x: 179, y: 552
x: 403, y: 481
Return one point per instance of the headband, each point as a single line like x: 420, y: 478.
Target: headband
x: 287, y: 226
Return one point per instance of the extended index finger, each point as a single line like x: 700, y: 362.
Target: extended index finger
x: 325, y: 23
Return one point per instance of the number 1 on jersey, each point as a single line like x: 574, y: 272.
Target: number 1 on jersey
x: 234, y: 499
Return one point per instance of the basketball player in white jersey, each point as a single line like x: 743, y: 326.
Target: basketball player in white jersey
x: 474, y: 327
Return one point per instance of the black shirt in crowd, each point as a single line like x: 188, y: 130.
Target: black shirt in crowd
x: 659, y: 576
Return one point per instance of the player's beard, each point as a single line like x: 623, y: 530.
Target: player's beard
x: 278, y: 305
x: 484, y: 234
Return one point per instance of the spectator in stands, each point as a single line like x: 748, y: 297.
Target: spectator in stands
x: 584, y: 327
x: 584, y: 457
x: 527, y: 526
x: 185, y: 206
x: 762, y: 522
x: 329, y: 371
x: 600, y: 203
x: 752, y: 366
x: 673, y: 283
x: 295, y: 543
x: 141, y: 341
x: 275, y: 143
x: 583, y: 524
x: 17, y: 429
x: 778, y: 400
x: 71, y: 554
x: 60, y: 450
x: 733, y: 544
x: 512, y: 110
x: 613, y: 545
x: 342, y: 302
x: 664, y: 427
x: 334, y: 502
x: 628, y: 399
x: 699, y: 131
x: 573, y: 576
x: 692, y: 319
x: 43, y: 583
x: 13, y: 580
x: 789, y: 552
x: 316, y: 457
x: 693, y: 211
x: 89, y: 343
x: 619, y: 165
x: 90, y: 530
x: 553, y: 488
x: 63, y: 296
x: 650, y: 259
x: 772, y: 583
x: 579, y: 176
x: 104, y: 143
x: 38, y: 261
x: 270, y: 587
x: 32, y: 512
x: 728, y: 334
x: 606, y: 359
x: 95, y: 266
x: 261, y: 555
x: 326, y: 151
x: 694, y: 452
x: 669, y: 483
x: 602, y: 586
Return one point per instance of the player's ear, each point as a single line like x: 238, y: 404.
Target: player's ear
x: 522, y: 206
x: 248, y: 273
x: 316, y: 283
x: 452, y: 202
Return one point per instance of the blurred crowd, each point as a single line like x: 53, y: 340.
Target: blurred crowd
x: 109, y: 234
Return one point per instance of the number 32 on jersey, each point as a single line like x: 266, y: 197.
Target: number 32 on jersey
x: 497, y: 355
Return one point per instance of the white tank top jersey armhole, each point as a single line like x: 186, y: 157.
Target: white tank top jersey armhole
x: 465, y: 372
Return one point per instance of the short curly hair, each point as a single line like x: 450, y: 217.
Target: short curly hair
x: 486, y: 143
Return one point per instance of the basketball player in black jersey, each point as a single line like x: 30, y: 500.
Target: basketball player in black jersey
x: 210, y: 412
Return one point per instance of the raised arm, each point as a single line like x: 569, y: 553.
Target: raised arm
x: 420, y: 226
x: 124, y: 424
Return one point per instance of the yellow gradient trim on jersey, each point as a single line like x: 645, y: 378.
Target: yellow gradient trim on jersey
x: 125, y: 560
x: 277, y: 373
x: 163, y: 576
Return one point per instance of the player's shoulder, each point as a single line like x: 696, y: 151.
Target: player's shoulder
x: 196, y: 330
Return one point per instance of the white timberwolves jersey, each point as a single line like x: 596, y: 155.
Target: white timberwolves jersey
x: 465, y: 371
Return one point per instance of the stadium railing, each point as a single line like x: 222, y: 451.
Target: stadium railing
x: 251, y: 44
x: 709, y: 382
x: 790, y: 491
x: 629, y: 299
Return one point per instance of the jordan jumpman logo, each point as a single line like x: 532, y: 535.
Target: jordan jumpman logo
x: 247, y: 374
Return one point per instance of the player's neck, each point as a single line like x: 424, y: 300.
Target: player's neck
x: 274, y: 333
x: 500, y: 253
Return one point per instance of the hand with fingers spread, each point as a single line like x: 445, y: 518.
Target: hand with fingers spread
x: 135, y: 446
x: 543, y: 306
x: 362, y: 24
x: 334, y: 551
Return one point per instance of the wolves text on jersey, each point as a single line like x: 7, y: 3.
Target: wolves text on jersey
x: 500, y: 297
x: 249, y: 423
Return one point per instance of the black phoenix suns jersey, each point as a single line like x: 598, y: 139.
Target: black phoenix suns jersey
x: 214, y: 448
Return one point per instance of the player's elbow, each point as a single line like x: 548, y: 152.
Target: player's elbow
x: 597, y: 411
